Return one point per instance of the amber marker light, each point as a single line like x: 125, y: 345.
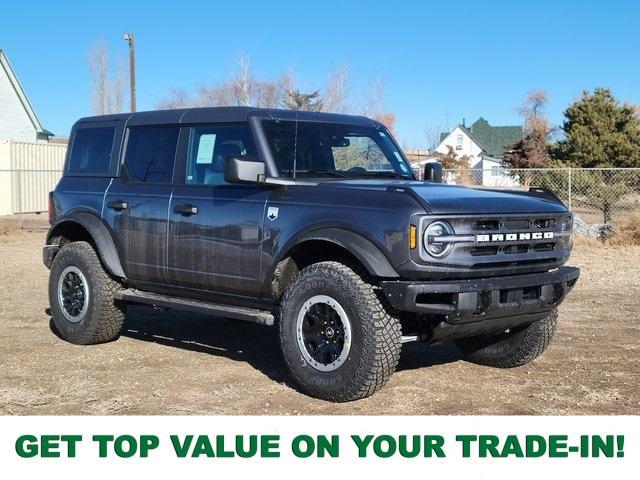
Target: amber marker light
x: 412, y: 237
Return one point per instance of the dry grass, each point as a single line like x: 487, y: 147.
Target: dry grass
x: 9, y: 226
x: 627, y: 230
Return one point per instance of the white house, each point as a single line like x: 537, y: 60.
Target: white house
x: 18, y: 121
x: 30, y: 166
x: 485, y: 146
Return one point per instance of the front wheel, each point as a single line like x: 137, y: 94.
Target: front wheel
x: 511, y: 349
x: 339, y: 340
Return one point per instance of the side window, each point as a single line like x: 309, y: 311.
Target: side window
x: 91, y: 150
x: 209, y: 147
x: 459, y: 140
x: 150, y: 154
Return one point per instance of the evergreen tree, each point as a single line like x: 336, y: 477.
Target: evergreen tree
x: 297, y: 100
x: 599, y: 132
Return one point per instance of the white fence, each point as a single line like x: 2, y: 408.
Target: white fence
x: 28, y: 172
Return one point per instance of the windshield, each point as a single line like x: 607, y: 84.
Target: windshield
x: 315, y: 149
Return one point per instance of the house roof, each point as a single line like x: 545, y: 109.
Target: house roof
x: 6, y: 66
x: 492, y: 140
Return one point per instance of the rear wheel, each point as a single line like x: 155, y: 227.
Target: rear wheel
x: 511, y: 349
x: 81, y: 295
x: 338, y: 339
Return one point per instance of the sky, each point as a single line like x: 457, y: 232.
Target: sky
x: 441, y: 62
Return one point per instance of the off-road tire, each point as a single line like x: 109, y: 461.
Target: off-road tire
x: 376, y: 334
x: 513, y: 349
x: 103, y: 318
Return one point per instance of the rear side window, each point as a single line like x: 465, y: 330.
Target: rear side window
x: 150, y: 154
x: 91, y: 150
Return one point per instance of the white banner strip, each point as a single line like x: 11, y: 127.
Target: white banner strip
x: 341, y: 447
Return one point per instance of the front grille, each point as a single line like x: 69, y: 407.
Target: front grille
x: 506, y: 242
x: 513, y: 224
x: 509, y: 253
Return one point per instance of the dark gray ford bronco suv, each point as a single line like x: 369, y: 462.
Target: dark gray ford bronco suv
x: 311, y: 222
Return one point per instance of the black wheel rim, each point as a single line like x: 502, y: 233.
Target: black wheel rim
x: 73, y: 293
x: 324, y: 333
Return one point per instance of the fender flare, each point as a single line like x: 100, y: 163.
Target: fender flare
x: 101, y: 237
x: 364, y: 250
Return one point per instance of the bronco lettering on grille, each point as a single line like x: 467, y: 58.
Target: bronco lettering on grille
x: 513, y: 237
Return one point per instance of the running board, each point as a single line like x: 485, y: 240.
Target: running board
x: 262, y: 317
x: 410, y: 338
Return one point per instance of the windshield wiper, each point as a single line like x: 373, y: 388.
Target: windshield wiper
x: 333, y: 173
x: 382, y: 173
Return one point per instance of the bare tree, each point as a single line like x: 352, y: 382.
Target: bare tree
x: 245, y: 88
x: 388, y: 119
x: 272, y: 93
x: 432, y: 134
x: 374, y: 97
x: 374, y: 104
x: 242, y: 81
x: 216, y: 95
x: 532, y: 151
x: 534, y: 104
x: 336, y: 93
x: 107, y: 89
x: 176, y: 98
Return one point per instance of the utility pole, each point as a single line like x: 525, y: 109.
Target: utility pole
x: 128, y: 37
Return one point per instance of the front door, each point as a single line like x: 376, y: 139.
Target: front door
x: 136, y: 204
x: 215, y: 228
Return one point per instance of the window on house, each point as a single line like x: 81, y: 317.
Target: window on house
x: 459, y: 140
x: 496, y: 171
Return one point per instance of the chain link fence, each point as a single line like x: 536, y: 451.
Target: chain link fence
x: 595, y: 195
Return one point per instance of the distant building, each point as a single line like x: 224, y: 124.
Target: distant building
x: 484, y: 145
x: 18, y: 120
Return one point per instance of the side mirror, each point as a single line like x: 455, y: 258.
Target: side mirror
x: 433, y: 172
x: 243, y: 170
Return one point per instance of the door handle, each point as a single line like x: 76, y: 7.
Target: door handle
x: 118, y: 205
x: 186, y: 209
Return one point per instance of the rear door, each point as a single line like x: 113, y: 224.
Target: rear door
x: 136, y: 204
x: 215, y: 228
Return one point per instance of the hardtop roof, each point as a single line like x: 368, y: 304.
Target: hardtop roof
x: 226, y: 114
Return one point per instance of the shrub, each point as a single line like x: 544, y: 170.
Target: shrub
x: 627, y: 230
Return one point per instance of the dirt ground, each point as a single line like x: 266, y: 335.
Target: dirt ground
x: 177, y: 363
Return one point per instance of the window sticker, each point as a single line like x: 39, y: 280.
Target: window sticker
x: 206, y: 145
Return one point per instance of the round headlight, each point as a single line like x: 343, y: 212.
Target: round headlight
x: 434, y: 247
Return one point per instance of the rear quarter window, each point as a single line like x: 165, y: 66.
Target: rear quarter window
x: 150, y: 154
x: 91, y: 150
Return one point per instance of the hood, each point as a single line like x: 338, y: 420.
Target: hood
x: 440, y: 198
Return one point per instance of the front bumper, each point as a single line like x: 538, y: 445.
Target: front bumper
x: 483, y: 305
